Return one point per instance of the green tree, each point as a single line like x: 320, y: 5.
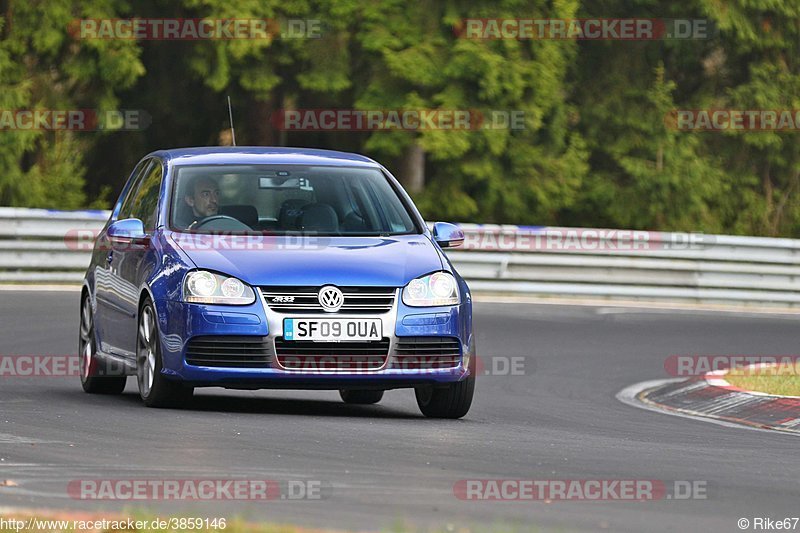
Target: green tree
x: 420, y: 61
x: 43, y: 67
x: 756, y: 68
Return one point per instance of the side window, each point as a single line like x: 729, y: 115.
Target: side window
x: 127, y: 204
x: 145, y: 205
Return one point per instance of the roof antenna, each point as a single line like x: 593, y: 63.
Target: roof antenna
x: 230, y: 116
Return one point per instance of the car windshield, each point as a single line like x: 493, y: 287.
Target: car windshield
x: 287, y: 199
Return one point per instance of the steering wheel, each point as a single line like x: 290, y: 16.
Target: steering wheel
x: 226, y: 223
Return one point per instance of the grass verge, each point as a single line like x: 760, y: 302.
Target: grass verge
x: 766, y: 379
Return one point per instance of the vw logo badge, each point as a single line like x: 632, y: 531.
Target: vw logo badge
x: 330, y: 298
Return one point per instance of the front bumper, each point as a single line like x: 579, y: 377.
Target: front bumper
x: 181, y: 322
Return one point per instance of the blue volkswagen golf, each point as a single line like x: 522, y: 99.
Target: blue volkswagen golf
x: 255, y: 267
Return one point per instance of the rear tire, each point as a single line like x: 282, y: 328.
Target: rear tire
x: 93, y: 370
x: 360, y: 397
x: 155, y: 389
x: 452, y: 401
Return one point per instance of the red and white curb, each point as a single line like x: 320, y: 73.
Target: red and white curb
x: 713, y: 399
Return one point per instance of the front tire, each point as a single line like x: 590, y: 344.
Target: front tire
x: 452, y: 401
x: 91, y: 366
x: 154, y: 389
x: 360, y: 397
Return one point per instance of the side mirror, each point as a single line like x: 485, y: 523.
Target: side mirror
x: 128, y: 231
x: 448, y: 235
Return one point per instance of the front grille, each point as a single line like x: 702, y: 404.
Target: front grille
x: 413, y: 353
x: 331, y: 356
x: 301, y: 300
x: 229, y: 351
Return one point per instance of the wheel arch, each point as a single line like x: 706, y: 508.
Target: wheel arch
x: 85, y: 289
x: 145, y: 294
x: 161, y: 313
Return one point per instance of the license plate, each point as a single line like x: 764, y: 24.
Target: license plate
x: 332, y: 329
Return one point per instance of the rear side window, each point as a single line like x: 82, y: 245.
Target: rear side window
x: 145, y: 204
x: 126, y: 210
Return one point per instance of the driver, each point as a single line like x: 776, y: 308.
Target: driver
x: 202, y: 196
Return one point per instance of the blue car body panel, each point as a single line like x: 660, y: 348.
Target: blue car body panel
x: 344, y: 261
x: 118, y: 281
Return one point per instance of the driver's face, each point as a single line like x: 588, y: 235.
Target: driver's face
x: 205, y: 200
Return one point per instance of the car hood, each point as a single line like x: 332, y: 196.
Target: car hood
x: 313, y: 261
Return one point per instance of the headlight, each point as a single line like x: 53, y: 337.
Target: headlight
x: 435, y: 289
x: 203, y: 287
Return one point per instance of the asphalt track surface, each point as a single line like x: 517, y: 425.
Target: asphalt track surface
x: 387, y: 464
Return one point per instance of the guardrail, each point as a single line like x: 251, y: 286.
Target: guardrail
x: 43, y: 246
x: 631, y: 265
